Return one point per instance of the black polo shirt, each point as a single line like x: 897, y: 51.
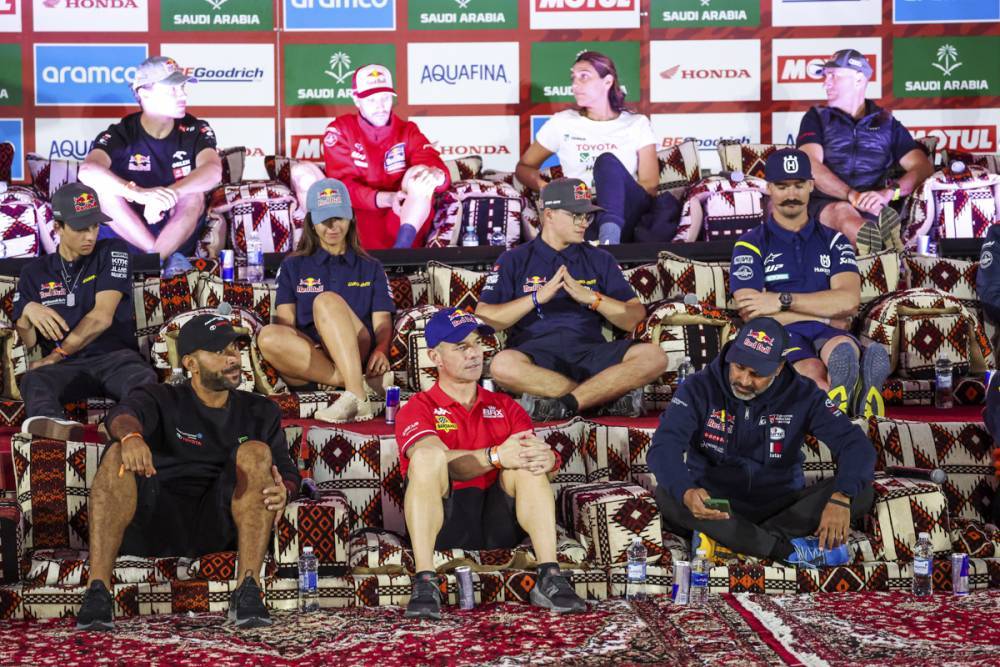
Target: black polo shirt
x: 50, y: 280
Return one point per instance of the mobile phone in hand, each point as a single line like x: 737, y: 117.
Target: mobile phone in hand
x: 720, y: 504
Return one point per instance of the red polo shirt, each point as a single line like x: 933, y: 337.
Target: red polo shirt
x: 492, y: 419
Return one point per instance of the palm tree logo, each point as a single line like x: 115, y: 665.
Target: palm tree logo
x: 340, y: 64
x: 216, y: 4
x: 462, y: 4
x: 947, y: 56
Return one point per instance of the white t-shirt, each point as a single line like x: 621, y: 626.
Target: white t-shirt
x: 578, y: 140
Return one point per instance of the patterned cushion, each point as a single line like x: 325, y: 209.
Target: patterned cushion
x: 879, y: 274
x: 927, y: 338
x: 708, y: 281
x: 157, y: 300
x: 953, y: 205
x: 407, y: 326
x: 464, y: 168
x: 409, y: 290
x: 607, y: 517
x: 975, y: 538
x: 255, y: 297
x: 679, y: 165
x: 22, y: 215
x: 233, y: 160
x: 261, y: 206
x: 324, y: 525
x: 11, y: 541
x: 954, y: 276
x: 351, y: 464
x: 49, y: 175
x: 904, y: 508
x: 747, y: 158
x: 6, y: 160
x: 856, y: 577
x: 645, y: 281
x: 70, y: 567
x: 487, y: 206
x: 164, y: 347
x: 8, y: 288
x: 279, y: 168
x: 266, y: 378
x: 454, y: 287
x: 720, y: 208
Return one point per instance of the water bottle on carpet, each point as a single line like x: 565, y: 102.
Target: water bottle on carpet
x: 942, y: 383
x: 685, y: 370
x: 699, y: 579
x: 255, y: 258
x: 923, y: 565
x: 177, y: 377
x: 636, y: 570
x: 308, y: 581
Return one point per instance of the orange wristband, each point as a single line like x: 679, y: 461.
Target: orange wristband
x: 494, y: 457
x: 62, y: 353
x: 597, y: 301
x: 133, y: 434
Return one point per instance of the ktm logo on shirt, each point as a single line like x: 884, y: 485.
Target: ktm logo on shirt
x: 534, y: 283
x: 443, y: 423
x: 139, y: 162
x: 309, y: 286
x: 84, y: 202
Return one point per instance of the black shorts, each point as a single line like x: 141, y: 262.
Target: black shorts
x: 476, y: 519
x: 578, y: 362
x: 818, y: 201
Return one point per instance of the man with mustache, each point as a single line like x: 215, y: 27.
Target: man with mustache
x: 805, y: 275
x: 192, y: 469
x: 734, y: 431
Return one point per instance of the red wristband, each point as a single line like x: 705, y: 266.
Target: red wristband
x: 558, y: 463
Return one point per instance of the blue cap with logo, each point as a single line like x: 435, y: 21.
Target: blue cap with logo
x: 452, y: 325
x: 760, y: 344
x: 328, y: 198
x: 787, y: 164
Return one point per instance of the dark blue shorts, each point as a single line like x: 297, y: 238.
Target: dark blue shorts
x: 579, y: 362
x: 819, y: 201
x: 806, y: 339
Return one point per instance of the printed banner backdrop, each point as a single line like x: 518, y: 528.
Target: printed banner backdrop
x: 481, y: 76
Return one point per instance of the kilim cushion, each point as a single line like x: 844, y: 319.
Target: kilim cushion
x: 904, y: 508
x: 645, y: 282
x: 464, y: 168
x: 455, y: 287
x: 879, y: 274
x: 978, y: 539
x: 16, y: 358
x: 954, y: 276
x: 951, y: 206
x: 23, y: 215
x: 8, y: 288
x: 304, y: 404
x: 908, y: 392
x: 69, y: 567
x: 407, y: 326
x: 486, y: 206
x: 679, y: 166
x: 708, y: 281
x: 856, y: 577
x: 11, y: 540
x: 48, y: 175
x: 233, y: 160
x: 409, y: 290
x: 255, y: 297
x: 350, y: 463
x: 266, y: 378
x: 324, y: 525
x: 608, y: 516
x: 157, y: 300
x: 164, y: 348
x: 6, y: 160
x: 260, y: 206
x: 746, y: 158
x: 927, y: 338
x: 720, y: 208
x: 279, y: 168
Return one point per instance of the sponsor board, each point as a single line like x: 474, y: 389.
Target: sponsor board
x: 707, y: 129
x: 584, y: 14
x: 321, y: 74
x: 496, y: 138
x: 91, y: 15
x: 966, y: 130
x: 795, y: 73
x: 463, y: 73
x: 10, y: 74
x: 228, y: 15
x: 536, y: 124
x: 704, y: 13
x: 68, y: 138
x: 946, y: 66
x: 89, y: 74
x: 551, y: 63
x: 257, y: 134
x: 304, y: 138
x: 10, y: 15
x: 12, y: 132
x: 462, y: 14
x: 826, y: 12
x: 704, y: 70
x: 340, y: 14
x: 944, y: 11
x: 785, y: 126
x: 226, y: 73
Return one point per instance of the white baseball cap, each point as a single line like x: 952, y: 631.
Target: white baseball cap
x: 372, y: 79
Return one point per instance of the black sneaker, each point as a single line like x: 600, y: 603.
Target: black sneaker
x: 246, y: 606
x: 95, y: 612
x: 628, y: 405
x: 544, y: 409
x: 425, y: 598
x: 553, y: 591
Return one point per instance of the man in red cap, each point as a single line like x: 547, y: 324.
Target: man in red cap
x: 390, y: 168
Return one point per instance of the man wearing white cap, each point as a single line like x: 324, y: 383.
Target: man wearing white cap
x: 389, y: 167
x: 151, y: 170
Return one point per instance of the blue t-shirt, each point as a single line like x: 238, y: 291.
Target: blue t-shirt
x: 50, y: 280
x: 772, y: 258
x: 526, y: 269
x: 360, y: 281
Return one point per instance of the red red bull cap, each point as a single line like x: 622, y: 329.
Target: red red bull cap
x: 760, y: 344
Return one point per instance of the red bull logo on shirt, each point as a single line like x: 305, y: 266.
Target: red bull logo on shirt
x: 720, y: 420
x: 51, y: 289
x: 759, y: 341
x: 581, y: 192
x: 329, y: 197
x: 309, y: 286
x: 84, y: 202
x: 139, y: 162
x: 533, y: 284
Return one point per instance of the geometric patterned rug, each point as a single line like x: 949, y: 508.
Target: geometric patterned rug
x: 823, y: 629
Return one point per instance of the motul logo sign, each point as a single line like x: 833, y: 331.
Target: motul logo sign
x: 585, y: 5
x: 307, y: 147
x: 806, y: 69
x: 676, y: 72
x: 974, y: 138
x: 7, y: 7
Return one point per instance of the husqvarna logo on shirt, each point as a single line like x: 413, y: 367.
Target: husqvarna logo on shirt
x: 91, y: 74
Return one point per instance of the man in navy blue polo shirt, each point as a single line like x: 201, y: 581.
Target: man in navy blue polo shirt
x: 553, y: 296
x: 77, y: 305
x: 806, y: 276
x: 853, y: 144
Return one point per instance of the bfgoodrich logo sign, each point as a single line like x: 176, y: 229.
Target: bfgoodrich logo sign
x: 340, y: 14
x: 216, y: 15
x: 703, y: 13
x: 462, y: 14
x: 322, y: 73
x: 946, y: 66
x: 592, y: 14
x: 707, y: 129
x: 94, y: 75
x: 227, y: 72
x: 705, y: 70
x: 551, y: 62
x: 91, y: 15
x: 463, y: 73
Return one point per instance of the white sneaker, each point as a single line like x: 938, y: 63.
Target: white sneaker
x: 53, y: 428
x: 378, y: 383
x: 344, y: 409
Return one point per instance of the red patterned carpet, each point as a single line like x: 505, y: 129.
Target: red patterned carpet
x: 827, y: 629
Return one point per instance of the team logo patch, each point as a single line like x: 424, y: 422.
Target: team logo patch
x: 309, y: 286
x: 492, y: 412
x: 395, y: 158
x: 330, y: 138
x: 533, y: 284
x: 777, y: 433
x: 460, y: 317
x: 376, y: 77
x: 329, y: 197
x: 139, y: 162
x: 581, y: 192
x: 759, y: 341
x: 743, y: 273
x: 84, y: 202
x: 444, y: 423
x: 775, y: 448
x: 190, y: 438
x: 51, y: 289
x: 720, y: 420
x: 791, y: 164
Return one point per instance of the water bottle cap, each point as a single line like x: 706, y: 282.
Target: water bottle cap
x: 736, y: 176
x: 924, y: 536
x: 307, y: 550
x: 702, y: 552
x: 957, y: 167
x: 176, y: 370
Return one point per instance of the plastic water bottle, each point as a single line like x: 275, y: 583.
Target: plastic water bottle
x: 308, y: 581
x: 923, y: 565
x: 469, y: 237
x: 255, y: 258
x: 177, y: 377
x: 699, y: 579
x: 942, y: 383
x: 685, y: 370
x: 498, y: 238
x: 635, y: 572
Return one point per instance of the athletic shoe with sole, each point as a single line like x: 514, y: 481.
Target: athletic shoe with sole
x: 53, y: 428
x: 246, y: 606
x: 874, y: 370
x: 869, y: 239
x: 378, y: 383
x: 346, y: 408
x: 808, y: 554
x: 544, y: 409
x: 425, y: 598
x: 553, y: 591
x: 842, y: 367
x: 889, y: 229
x: 627, y: 405
x: 95, y: 612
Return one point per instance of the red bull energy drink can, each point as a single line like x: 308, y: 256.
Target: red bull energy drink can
x: 960, y: 574
x: 391, y: 403
x: 228, y: 258
x: 989, y: 379
x: 466, y: 593
x: 682, y: 582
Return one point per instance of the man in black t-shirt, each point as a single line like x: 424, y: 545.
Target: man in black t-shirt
x: 192, y: 469
x: 76, y: 304
x: 152, y: 169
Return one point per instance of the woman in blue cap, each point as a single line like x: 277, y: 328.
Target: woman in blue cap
x: 332, y: 320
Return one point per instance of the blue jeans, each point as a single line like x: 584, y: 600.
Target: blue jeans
x: 637, y: 215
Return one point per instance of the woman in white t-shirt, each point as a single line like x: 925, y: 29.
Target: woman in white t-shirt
x: 611, y: 149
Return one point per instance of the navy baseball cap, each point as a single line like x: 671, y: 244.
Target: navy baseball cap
x: 328, y: 198
x: 787, y: 164
x: 760, y: 344
x: 452, y: 325
x: 849, y: 59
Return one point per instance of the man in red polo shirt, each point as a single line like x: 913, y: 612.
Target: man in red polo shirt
x: 476, y: 474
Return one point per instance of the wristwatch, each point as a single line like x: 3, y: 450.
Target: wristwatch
x: 785, y: 299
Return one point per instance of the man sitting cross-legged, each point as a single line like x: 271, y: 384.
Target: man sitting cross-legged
x: 476, y: 474
x: 193, y: 469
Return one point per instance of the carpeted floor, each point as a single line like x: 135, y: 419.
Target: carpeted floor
x: 827, y: 629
